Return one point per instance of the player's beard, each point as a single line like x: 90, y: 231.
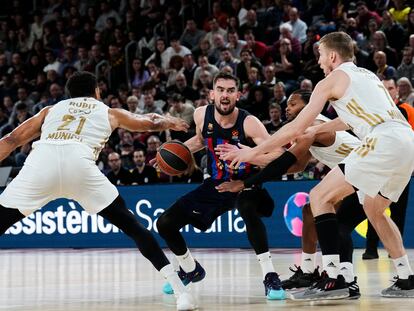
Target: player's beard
x: 224, y: 112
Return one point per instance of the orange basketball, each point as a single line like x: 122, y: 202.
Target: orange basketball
x: 174, y: 158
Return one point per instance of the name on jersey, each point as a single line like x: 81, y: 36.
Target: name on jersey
x: 83, y: 105
x: 61, y: 135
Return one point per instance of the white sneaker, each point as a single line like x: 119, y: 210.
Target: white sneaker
x: 186, y: 301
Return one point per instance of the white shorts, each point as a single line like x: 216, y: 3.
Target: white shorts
x: 384, y: 161
x: 59, y: 171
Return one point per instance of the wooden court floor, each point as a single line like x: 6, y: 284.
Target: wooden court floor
x: 121, y: 279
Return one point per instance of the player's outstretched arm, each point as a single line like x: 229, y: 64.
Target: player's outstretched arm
x: 146, y: 122
x: 331, y: 87
x: 196, y: 143
x: 332, y: 126
x: 24, y: 133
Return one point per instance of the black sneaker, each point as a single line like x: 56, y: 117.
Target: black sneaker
x: 194, y: 276
x: 353, y: 287
x: 368, y: 255
x: 325, y: 288
x: 402, y: 288
x: 300, y: 279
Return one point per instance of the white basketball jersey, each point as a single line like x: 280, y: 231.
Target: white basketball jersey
x: 340, y: 149
x: 78, y: 120
x: 366, y: 103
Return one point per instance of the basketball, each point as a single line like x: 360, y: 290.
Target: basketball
x: 174, y: 158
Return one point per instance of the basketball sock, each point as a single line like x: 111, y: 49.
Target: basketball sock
x: 186, y: 261
x: 330, y: 264
x: 403, y: 267
x: 346, y: 269
x: 328, y: 236
x: 308, y: 264
x: 172, y: 277
x: 265, y: 260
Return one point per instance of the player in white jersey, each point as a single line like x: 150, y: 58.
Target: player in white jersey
x: 375, y: 169
x: 62, y: 164
x: 330, y: 148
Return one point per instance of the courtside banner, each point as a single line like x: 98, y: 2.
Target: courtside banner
x: 62, y: 223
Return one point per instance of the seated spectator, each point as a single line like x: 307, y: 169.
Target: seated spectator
x: 189, y: 68
x: 204, y: 81
x: 246, y: 63
x: 175, y: 48
x: 306, y: 85
x: 184, y: 110
x: 215, y: 52
x: 175, y: 66
x: 227, y: 59
x: 393, y: 31
x: 21, y: 156
x: 269, y: 76
x: 279, y: 97
x: 365, y: 15
x: 214, y: 29
x: 117, y: 175
x: 142, y: 174
x: 181, y: 87
x: 258, y: 48
x: 203, y: 65
x: 139, y: 75
x: 287, y: 66
x: 234, y: 44
x: 406, y: 69
x: 405, y: 91
x: 275, y: 122
x: 132, y: 103
x: 153, y: 143
x: 149, y: 104
x: 299, y: 27
x: 191, y: 35
x: 384, y: 71
x: 253, y: 26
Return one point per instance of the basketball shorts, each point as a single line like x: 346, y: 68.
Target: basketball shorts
x: 383, y: 163
x: 59, y: 171
x: 204, y: 204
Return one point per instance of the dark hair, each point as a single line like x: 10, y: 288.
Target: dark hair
x: 178, y: 98
x: 81, y: 84
x: 304, y: 95
x: 226, y: 76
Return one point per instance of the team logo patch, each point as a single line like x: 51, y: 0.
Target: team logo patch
x: 210, y: 128
x: 235, y: 134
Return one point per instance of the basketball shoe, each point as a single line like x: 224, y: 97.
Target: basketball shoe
x: 402, y: 288
x: 186, y: 302
x: 325, y: 288
x: 194, y: 276
x: 353, y: 287
x: 273, y: 287
x: 299, y: 279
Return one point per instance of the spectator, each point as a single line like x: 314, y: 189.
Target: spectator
x: 238, y: 11
x: 204, y: 65
x: 364, y: 15
x: 287, y: 66
x: 384, y: 71
x: 142, y: 174
x: 175, y: 49
x: 253, y: 26
x: 234, y: 44
x: 406, y: 69
x: 149, y: 106
x: 405, y: 91
x: 299, y: 27
x: 269, y: 76
x: 306, y: 85
x: 227, y: 59
x: 191, y: 35
x: 138, y: 74
x: 275, y: 122
x: 116, y: 70
x: 393, y: 31
x: 184, y: 110
x: 106, y: 12
x: 189, y: 68
x: 153, y: 143
x: 258, y: 48
x: 279, y: 97
x: 118, y: 175
x: 214, y: 29
x: 246, y: 63
x: 181, y: 87
x: 132, y: 103
x: 159, y: 57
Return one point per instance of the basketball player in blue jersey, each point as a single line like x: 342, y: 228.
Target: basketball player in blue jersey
x: 375, y: 169
x: 216, y: 124
x: 62, y: 165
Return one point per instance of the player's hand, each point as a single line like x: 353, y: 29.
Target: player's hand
x: 231, y: 186
x: 178, y: 124
x: 223, y: 149
x: 237, y: 156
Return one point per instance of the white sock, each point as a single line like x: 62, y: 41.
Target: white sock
x: 403, y: 267
x: 172, y: 277
x: 346, y: 269
x: 308, y: 262
x: 186, y: 261
x: 265, y: 260
x: 330, y: 264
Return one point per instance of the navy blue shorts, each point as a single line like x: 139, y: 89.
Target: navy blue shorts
x: 204, y: 204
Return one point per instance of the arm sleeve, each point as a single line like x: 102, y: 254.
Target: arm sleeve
x: 272, y: 171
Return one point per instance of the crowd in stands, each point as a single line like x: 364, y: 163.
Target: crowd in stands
x: 160, y: 56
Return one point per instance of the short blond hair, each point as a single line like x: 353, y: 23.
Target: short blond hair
x: 341, y: 43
